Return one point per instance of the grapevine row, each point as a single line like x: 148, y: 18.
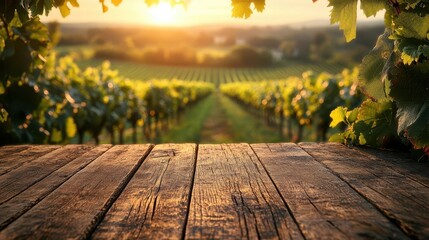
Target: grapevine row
x: 305, y: 101
x: 68, y: 102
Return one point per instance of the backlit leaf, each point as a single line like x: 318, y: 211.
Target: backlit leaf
x: 413, y: 49
x: 372, y: 7
x: 375, y: 125
x: 344, y: 12
x: 241, y: 9
x: 116, y: 2
x: 259, y: 5
x: 352, y: 115
x: 65, y: 11
x: 410, y: 25
x: 338, y: 116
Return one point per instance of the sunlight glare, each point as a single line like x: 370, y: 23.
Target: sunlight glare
x: 164, y: 13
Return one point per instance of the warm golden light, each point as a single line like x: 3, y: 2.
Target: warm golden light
x: 164, y: 13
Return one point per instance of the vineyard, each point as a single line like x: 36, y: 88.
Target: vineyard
x: 215, y: 75
x: 68, y: 102
x: 76, y: 102
x: 298, y: 103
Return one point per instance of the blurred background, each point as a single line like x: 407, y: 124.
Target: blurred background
x: 273, y: 77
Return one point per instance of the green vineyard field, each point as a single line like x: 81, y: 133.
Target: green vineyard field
x: 215, y: 75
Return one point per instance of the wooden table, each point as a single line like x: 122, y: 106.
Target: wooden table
x: 228, y: 191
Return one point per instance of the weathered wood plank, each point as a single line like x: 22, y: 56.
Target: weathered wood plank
x: 18, y: 205
x: 12, y: 149
x: 17, y: 180
x: 154, y: 204
x: 13, y: 160
x: 233, y: 198
x: 399, y: 161
x: 324, y: 206
x: 75, y: 208
x: 398, y: 196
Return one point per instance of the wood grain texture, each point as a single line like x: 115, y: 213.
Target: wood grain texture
x: 399, y: 161
x: 12, y: 149
x: 400, y: 197
x: 17, y: 180
x: 73, y: 209
x: 13, y: 160
x: 19, y: 204
x: 154, y: 204
x: 233, y: 198
x: 324, y: 206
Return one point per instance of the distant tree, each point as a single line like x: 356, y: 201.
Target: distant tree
x: 321, y: 48
x: 245, y: 56
x: 264, y: 42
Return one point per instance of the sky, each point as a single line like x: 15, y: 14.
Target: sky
x: 199, y: 12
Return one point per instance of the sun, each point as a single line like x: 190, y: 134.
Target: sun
x: 164, y: 14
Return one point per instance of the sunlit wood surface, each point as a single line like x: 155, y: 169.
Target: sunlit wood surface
x: 228, y: 191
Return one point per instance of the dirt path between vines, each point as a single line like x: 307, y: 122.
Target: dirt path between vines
x: 216, y: 128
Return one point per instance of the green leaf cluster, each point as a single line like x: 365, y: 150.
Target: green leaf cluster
x: 371, y: 124
x: 395, y: 73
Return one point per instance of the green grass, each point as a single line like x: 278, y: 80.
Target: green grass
x: 215, y: 119
x: 230, y: 123
x: 190, y: 124
x: 245, y: 127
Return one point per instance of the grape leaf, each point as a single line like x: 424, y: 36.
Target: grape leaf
x: 372, y: 72
x: 116, y: 2
x: 410, y: 25
x: 362, y: 140
x: 418, y: 6
x: 352, y: 115
x: 338, y: 116
x: 413, y: 49
x: 410, y: 90
x: 20, y: 61
x: 413, y: 122
x: 65, y: 10
x: 375, y: 125
x: 372, y: 7
x: 344, y: 12
x: 259, y: 5
x: 410, y: 83
x: 241, y: 9
x: 22, y: 14
x: 59, y: 2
